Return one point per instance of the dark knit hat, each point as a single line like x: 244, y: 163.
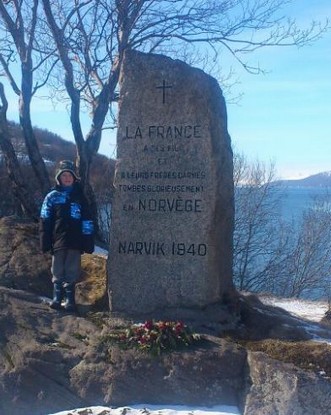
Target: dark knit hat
x: 65, y: 165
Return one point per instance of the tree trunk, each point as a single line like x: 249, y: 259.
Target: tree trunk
x: 35, y: 157
x: 19, y: 184
x: 86, y: 149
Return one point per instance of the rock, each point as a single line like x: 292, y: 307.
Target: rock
x: 261, y: 321
x: 173, y: 208
x: 51, y: 360
x: 38, y: 347
x: 278, y: 388
x: 206, y: 375
x: 24, y: 267
x: 326, y: 320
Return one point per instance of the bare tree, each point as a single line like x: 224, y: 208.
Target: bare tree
x: 91, y: 37
x: 85, y: 41
x: 20, y: 187
x: 257, y: 224
x: 289, y: 259
x: 18, y: 21
x: 306, y: 263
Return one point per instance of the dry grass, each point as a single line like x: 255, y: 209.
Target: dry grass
x: 92, y: 289
x: 307, y: 355
x: 274, y: 332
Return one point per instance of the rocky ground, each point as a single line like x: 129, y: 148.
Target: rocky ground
x: 256, y: 357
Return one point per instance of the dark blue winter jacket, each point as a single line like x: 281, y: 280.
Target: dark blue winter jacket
x: 65, y: 221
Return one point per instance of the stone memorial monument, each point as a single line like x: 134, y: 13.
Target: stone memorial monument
x: 172, y: 215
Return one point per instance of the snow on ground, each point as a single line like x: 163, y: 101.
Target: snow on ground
x: 307, y: 313
x: 310, y: 311
x: 100, y: 251
x: 154, y: 410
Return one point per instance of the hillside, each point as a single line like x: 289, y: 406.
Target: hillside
x: 52, y: 147
x: 316, y: 180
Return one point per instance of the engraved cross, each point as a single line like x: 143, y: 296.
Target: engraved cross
x: 164, y: 87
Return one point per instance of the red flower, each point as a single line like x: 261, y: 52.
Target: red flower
x: 148, y: 325
x: 157, y: 336
x: 179, y: 327
x: 161, y: 325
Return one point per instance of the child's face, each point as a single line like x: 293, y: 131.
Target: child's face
x: 66, y: 179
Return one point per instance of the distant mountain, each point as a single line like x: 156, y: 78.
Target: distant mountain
x: 316, y: 180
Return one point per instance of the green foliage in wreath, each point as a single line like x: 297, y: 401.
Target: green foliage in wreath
x: 155, y: 336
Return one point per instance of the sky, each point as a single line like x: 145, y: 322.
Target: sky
x: 311, y: 311
x: 283, y: 116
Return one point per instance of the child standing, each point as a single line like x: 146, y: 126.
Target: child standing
x: 66, y: 230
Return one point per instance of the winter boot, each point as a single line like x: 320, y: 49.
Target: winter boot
x: 57, y: 296
x: 70, y: 304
